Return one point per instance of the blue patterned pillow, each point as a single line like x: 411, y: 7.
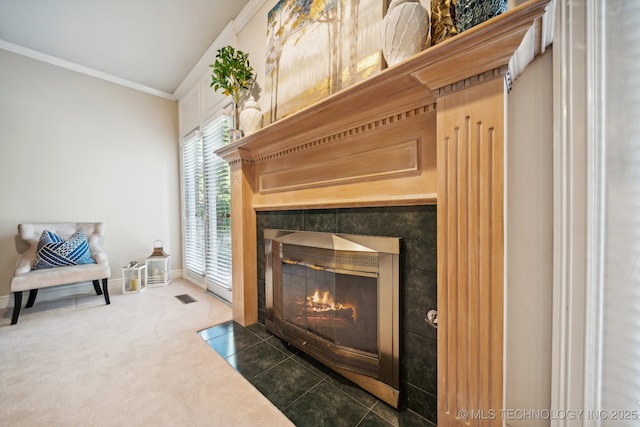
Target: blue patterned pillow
x: 54, y: 251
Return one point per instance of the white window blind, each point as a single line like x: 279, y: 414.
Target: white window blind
x: 193, y: 204
x: 218, y: 205
x: 206, y: 202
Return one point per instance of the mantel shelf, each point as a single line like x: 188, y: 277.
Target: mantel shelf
x: 502, y: 46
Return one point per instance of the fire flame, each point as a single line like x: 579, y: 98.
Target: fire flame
x: 323, y: 301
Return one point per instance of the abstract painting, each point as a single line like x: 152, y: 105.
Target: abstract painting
x: 316, y: 48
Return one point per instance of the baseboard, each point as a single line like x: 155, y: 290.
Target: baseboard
x: 63, y: 291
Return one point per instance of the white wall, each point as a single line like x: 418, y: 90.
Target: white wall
x: 196, y: 99
x: 529, y: 246
x: 76, y: 148
x: 615, y: 201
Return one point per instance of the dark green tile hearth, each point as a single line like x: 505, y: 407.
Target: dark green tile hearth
x: 256, y: 359
x: 216, y: 331
x: 236, y: 339
x: 352, y: 390
x: 326, y: 405
x: 285, y: 383
x: 374, y: 420
x: 260, y: 331
x: 306, y: 391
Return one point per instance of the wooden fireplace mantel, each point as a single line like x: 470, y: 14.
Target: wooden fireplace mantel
x: 430, y: 130
x: 499, y: 47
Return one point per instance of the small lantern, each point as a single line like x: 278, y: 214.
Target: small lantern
x: 158, y: 266
x: 134, y: 279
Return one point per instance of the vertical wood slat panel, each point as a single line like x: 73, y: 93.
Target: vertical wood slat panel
x: 471, y: 255
x: 461, y: 248
x: 473, y: 217
x: 485, y: 277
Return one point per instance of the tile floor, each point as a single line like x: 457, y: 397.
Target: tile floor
x: 308, y: 393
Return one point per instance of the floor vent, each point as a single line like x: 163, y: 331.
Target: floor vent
x: 186, y: 298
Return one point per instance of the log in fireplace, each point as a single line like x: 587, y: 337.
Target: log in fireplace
x: 335, y: 297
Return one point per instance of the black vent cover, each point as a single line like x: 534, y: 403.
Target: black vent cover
x: 186, y: 298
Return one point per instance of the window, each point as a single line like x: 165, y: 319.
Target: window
x: 193, y: 205
x: 207, y: 208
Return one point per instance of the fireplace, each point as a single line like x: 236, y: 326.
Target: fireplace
x: 431, y: 130
x: 335, y: 297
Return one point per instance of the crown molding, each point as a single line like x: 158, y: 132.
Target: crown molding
x: 72, y: 66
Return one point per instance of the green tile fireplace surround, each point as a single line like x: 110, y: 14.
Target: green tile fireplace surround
x: 417, y: 227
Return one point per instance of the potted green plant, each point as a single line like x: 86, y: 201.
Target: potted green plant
x: 232, y: 73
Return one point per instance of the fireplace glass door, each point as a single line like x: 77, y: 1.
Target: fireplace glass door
x: 339, y: 307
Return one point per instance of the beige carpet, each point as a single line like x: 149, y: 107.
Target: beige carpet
x: 136, y: 362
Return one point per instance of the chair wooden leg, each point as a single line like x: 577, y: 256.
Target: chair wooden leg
x: 17, y: 298
x: 96, y: 286
x: 105, y: 290
x: 32, y: 298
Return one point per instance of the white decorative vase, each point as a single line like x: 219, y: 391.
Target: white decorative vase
x: 250, y: 117
x: 405, y: 30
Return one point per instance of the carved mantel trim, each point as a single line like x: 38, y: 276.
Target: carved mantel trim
x: 345, y: 134
x: 502, y: 71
